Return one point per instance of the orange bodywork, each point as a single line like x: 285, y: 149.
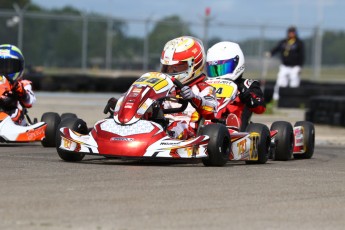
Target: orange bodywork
x: 33, y: 134
x: 3, y: 116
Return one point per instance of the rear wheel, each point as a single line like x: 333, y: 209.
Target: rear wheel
x: 52, y: 120
x: 263, y: 143
x: 283, y: 141
x: 309, y: 139
x: 66, y: 115
x: 74, y: 124
x: 218, y: 147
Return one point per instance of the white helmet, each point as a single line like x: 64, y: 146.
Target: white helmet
x: 226, y: 60
x: 183, y: 58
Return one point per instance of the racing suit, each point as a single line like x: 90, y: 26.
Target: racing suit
x: 184, y: 125
x: 249, y: 100
x: 15, y: 98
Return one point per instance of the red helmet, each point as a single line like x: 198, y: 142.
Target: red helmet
x: 183, y: 58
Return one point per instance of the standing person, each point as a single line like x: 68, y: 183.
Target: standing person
x: 17, y: 93
x: 184, y: 58
x: 291, y: 51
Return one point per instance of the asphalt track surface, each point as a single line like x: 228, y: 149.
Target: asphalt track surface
x: 39, y: 191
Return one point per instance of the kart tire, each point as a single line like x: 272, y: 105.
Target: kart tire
x: 263, y: 144
x: 52, y: 120
x: 74, y: 124
x: 66, y: 115
x: 219, y: 145
x: 283, y: 141
x: 309, y: 139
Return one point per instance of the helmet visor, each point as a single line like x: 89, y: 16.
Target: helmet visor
x: 10, y: 66
x: 220, y: 68
x: 180, y: 67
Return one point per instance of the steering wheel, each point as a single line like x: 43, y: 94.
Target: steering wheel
x: 181, y: 101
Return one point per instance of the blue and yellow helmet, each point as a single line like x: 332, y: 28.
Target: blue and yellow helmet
x: 11, y: 62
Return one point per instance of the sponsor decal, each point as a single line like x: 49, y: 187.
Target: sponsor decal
x: 189, y: 152
x: 129, y: 105
x: 133, y: 94
x: 298, y: 132
x: 4, y: 52
x: 242, y: 146
x: 239, y: 69
x: 35, y: 133
x: 136, y: 90
x: 144, y: 106
x: 137, y: 87
x: 169, y: 143
x: 121, y: 139
x: 209, y: 98
x: 67, y: 143
x: 254, y: 154
x: 212, y: 62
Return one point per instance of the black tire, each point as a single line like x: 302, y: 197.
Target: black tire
x: 74, y: 124
x: 219, y: 145
x: 263, y: 144
x: 309, y: 139
x: 283, y: 141
x: 52, y: 120
x: 66, y: 115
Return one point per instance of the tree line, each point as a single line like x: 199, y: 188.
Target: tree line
x: 57, y: 43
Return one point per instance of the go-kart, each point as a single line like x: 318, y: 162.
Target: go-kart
x: 297, y: 141
x: 285, y: 141
x: 44, y: 131
x: 137, y: 129
x: 34, y: 131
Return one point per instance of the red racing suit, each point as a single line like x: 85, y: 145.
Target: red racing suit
x: 14, y: 97
x: 250, y: 99
x: 184, y: 125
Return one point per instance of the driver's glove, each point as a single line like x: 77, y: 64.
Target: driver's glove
x: 248, y: 98
x: 19, y: 90
x: 187, y: 93
x: 110, y: 107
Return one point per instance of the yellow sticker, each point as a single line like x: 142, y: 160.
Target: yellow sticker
x: 67, y: 143
x: 155, y: 82
x: 223, y: 90
x: 160, y: 85
x: 253, y: 152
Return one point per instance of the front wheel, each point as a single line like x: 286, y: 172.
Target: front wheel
x: 74, y: 124
x: 309, y: 139
x: 283, y: 141
x: 218, y: 147
x: 52, y: 120
x: 263, y: 143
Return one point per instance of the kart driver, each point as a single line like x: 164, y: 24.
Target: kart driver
x: 226, y: 60
x: 183, y: 58
x: 16, y: 93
